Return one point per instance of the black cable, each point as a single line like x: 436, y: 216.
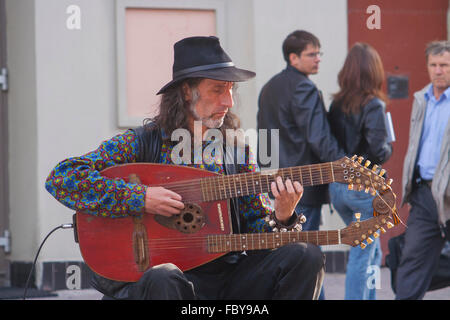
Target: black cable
x: 63, y: 226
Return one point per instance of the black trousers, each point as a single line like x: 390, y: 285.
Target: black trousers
x: 294, y: 271
x: 423, y: 245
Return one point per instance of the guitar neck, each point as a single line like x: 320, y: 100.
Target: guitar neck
x: 237, y: 185
x: 270, y: 240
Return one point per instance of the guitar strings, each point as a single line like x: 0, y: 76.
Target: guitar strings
x: 237, y: 240
x: 256, y: 176
x: 193, y: 185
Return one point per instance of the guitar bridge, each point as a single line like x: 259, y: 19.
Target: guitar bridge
x: 140, y: 246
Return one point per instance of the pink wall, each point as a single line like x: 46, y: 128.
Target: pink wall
x: 150, y: 35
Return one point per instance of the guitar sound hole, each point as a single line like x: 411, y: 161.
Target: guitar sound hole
x: 190, y: 220
x: 188, y: 217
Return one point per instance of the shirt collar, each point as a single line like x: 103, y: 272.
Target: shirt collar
x: 429, y: 93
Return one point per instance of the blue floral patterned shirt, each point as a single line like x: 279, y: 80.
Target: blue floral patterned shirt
x: 77, y: 183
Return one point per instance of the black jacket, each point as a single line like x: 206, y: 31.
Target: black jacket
x: 292, y: 103
x: 363, y: 134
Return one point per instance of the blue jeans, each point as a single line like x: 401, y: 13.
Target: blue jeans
x: 312, y: 223
x: 361, y: 262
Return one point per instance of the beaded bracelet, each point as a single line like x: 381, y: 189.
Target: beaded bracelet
x: 277, y: 226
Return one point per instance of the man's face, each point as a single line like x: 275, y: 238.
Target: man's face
x: 308, y: 61
x: 439, y: 70
x: 213, y: 100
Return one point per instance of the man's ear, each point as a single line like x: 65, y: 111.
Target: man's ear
x: 293, y: 58
x: 187, y: 92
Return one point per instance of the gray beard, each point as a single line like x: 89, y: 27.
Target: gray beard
x: 208, y: 122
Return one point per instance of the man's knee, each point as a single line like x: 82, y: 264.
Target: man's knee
x: 305, y: 253
x: 163, y: 273
x: 163, y: 282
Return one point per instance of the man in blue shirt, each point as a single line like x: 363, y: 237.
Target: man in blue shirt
x: 426, y: 175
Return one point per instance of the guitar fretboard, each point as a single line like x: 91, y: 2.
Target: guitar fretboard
x: 270, y: 240
x: 237, y: 185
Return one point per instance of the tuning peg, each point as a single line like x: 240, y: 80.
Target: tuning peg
x: 373, y: 192
x: 363, y: 246
x: 358, y: 216
x: 353, y: 158
x: 366, y: 190
x: 383, y: 230
x: 389, y: 225
x: 369, y: 240
x: 382, y: 172
x: 367, y: 163
x: 360, y: 159
x: 390, y: 182
x: 350, y: 186
x: 302, y: 219
x: 376, y: 235
x: 374, y: 168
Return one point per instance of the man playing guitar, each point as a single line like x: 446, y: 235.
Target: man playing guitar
x: 199, y: 96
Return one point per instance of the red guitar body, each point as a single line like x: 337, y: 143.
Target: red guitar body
x: 123, y: 248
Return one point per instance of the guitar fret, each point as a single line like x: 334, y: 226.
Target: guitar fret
x: 254, y: 188
x: 304, y: 176
x: 235, y: 188
x: 246, y: 183
x: 245, y: 246
x: 321, y: 177
x: 277, y: 243
x: 218, y: 243
x: 224, y: 187
x: 332, y: 171
x: 310, y: 175
x: 240, y: 182
x: 260, y: 183
x: 229, y: 187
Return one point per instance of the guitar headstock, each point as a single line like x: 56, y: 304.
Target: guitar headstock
x: 360, y: 177
x: 362, y: 233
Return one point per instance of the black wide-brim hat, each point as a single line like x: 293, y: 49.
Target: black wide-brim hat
x: 203, y: 57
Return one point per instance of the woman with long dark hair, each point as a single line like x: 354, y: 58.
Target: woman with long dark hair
x: 357, y: 119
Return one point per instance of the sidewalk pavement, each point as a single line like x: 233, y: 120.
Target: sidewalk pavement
x: 334, y: 286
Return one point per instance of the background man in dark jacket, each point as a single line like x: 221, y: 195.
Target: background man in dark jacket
x: 292, y: 103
